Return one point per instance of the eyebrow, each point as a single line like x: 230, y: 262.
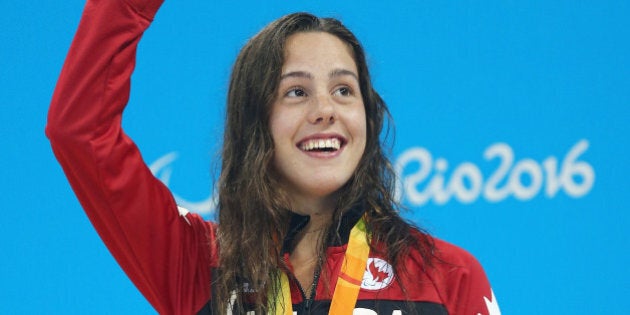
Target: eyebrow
x: 296, y: 74
x: 342, y: 72
x: 333, y: 73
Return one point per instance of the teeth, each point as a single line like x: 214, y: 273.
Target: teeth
x: 318, y: 144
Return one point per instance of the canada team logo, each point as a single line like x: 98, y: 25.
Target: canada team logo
x: 378, y: 274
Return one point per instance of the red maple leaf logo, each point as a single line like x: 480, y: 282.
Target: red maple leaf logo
x: 377, y: 275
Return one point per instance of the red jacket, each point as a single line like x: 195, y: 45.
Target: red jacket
x: 170, y: 254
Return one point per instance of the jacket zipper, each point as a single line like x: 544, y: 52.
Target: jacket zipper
x: 308, y: 301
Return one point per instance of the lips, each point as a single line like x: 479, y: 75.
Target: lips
x: 330, y: 143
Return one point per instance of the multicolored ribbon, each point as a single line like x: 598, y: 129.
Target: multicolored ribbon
x: 348, y: 281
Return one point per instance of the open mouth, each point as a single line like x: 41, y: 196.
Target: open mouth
x: 321, y: 145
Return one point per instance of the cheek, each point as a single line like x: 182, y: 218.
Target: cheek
x: 282, y: 127
x: 361, y: 131
x: 275, y: 131
x: 360, y: 125
x: 283, y: 121
x: 277, y: 126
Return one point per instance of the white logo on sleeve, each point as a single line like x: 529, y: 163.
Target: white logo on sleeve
x: 492, y: 305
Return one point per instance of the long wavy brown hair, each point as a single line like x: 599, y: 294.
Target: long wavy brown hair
x: 253, y: 211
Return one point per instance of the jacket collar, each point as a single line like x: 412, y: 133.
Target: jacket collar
x: 348, y: 220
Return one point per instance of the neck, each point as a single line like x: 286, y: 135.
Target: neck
x: 306, y: 256
x: 310, y: 237
x: 319, y: 220
x: 320, y: 211
x: 317, y: 207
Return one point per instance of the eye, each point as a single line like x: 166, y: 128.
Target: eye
x: 343, y: 91
x: 296, y: 92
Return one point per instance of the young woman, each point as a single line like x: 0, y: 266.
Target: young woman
x: 307, y: 222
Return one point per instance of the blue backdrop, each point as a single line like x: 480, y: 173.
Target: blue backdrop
x: 512, y: 127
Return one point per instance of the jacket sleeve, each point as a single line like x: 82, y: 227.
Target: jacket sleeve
x: 165, y: 252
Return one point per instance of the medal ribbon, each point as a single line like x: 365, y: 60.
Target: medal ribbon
x: 348, y: 281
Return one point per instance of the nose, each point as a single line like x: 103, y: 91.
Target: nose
x: 323, y: 110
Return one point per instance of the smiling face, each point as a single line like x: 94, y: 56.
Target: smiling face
x: 317, y: 120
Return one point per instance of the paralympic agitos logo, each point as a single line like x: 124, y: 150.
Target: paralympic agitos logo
x: 423, y: 178
x: 162, y: 168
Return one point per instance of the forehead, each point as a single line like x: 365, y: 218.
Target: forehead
x: 317, y: 50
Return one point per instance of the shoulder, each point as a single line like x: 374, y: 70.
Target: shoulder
x: 444, y: 255
x: 462, y: 281
x: 452, y: 255
x: 459, y: 279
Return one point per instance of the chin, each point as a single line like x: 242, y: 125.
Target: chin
x: 315, y: 187
x: 326, y: 189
